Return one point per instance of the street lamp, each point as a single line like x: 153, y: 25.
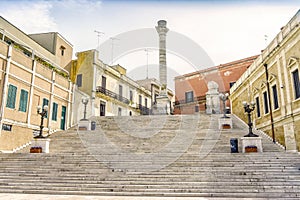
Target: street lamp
x: 224, y: 98
x: 43, y: 113
x: 248, y: 109
x: 85, y: 101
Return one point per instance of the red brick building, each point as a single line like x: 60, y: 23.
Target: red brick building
x: 191, y: 89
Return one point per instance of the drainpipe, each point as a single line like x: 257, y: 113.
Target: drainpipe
x: 151, y: 97
x: 270, y: 105
x: 5, y: 85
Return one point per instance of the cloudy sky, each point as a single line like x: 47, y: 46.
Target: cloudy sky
x: 224, y: 30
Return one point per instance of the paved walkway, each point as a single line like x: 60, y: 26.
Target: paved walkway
x: 74, y: 197
x: 6, y: 196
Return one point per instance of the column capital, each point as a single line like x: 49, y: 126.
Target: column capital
x: 161, y: 27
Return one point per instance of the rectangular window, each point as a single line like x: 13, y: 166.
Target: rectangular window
x: 257, y: 106
x: 120, y: 90
x: 62, y: 50
x: 119, y: 111
x: 189, y: 97
x: 146, y: 102
x: 102, y: 108
x: 79, y: 80
x: 196, y: 109
x: 296, y: 83
x: 231, y: 84
x: 275, y: 97
x: 266, y: 105
x: 45, y: 103
x: 23, y: 101
x: 131, y: 96
x: 140, y: 99
x: 54, y: 111
x: 103, y: 84
x: 11, y: 96
x: 6, y: 127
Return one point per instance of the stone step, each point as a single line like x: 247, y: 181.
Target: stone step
x: 148, y: 156
x: 258, y: 193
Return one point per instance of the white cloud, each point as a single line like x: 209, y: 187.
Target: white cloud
x: 29, y: 16
x: 225, y: 31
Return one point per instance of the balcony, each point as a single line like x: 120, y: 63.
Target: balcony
x: 144, y: 110
x: 112, y: 95
x: 196, y: 99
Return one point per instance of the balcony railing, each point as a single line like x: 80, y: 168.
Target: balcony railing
x: 112, y: 95
x: 196, y: 99
x: 144, y: 110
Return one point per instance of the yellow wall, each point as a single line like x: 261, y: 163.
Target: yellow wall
x: 280, y: 58
x: 39, y: 84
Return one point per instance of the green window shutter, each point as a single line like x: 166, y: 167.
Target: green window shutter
x: 23, y: 101
x: 54, y: 111
x: 11, y: 96
x: 45, y: 102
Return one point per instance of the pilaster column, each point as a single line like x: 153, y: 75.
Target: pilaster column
x: 5, y: 84
x: 30, y: 101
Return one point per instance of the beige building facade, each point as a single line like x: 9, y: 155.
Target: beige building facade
x: 111, y: 92
x: 272, y: 82
x: 31, y: 76
x: 155, y: 87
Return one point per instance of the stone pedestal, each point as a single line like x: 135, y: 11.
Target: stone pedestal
x: 84, y: 125
x: 289, y: 137
x: 252, y: 141
x: 225, y: 121
x: 162, y: 106
x: 41, y: 142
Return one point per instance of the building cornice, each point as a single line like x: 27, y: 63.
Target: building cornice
x: 281, y: 38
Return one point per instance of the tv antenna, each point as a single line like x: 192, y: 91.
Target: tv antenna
x: 266, y: 39
x: 147, y: 54
x: 112, y: 48
x: 99, y: 33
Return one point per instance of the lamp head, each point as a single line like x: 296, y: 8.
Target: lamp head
x: 84, y: 100
x: 245, y: 103
x: 46, y: 108
x: 39, y: 108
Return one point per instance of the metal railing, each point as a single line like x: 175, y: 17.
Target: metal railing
x: 112, y: 95
x: 144, y: 110
x: 196, y: 99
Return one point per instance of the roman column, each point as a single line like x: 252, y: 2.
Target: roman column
x: 162, y: 106
x: 162, y: 32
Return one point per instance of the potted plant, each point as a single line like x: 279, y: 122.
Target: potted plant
x: 251, y: 148
x: 36, y: 149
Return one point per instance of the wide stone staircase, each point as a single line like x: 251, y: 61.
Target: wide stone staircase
x: 162, y: 156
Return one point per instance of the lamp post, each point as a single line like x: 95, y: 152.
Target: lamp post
x: 248, y: 109
x: 85, y: 101
x: 43, y: 113
x: 224, y: 98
